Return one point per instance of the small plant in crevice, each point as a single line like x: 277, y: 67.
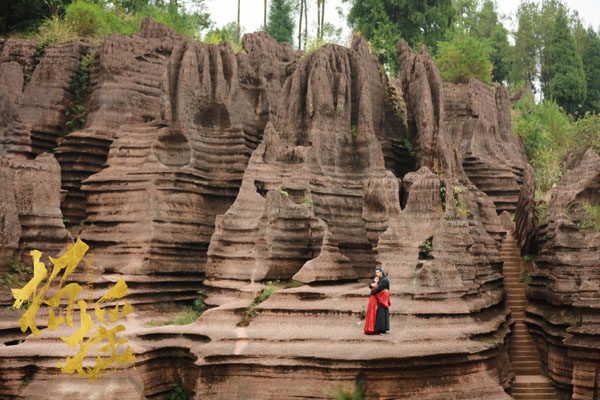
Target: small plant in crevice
x: 17, y: 275
x: 525, y: 275
x: 308, y: 201
x: 363, y: 314
x: 284, y: 193
x: 591, y: 220
x: 540, y: 210
x: 357, y: 392
x: 264, y: 295
x: 425, y: 250
x: 177, y: 393
x: 461, y: 206
x: 354, y: 131
x: 76, y: 111
x: 443, y: 197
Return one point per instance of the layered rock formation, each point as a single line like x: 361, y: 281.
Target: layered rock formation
x: 565, y: 284
x: 474, y: 116
x: 317, y: 197
x: 267, y: 166
x: 166, y: 180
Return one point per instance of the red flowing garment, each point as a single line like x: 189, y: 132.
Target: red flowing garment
x: 382, y: 298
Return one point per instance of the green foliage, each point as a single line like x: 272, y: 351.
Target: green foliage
x: 76, y: 111
x: 481, y: 21
x: 198, y: 304
x: 177, y: 393
x: 95, y: 19
x: 363, y: 314
x: 540, y: 210
x: 281, y: 24
x: 284, y: 193
x: 425, y: 249
x: 565, y: 74
x: 464, y: 57
x: 54, y: 30
x: 591, y: 221
x: 18, y: 274
x: 26, y: 15
x: 585, y: 134
x: 384, y: 22
x: 500, y: 54
x: 264, y: 295
x: 266, y: 292
x: 225, y: 34
x: 545, y: 130
x: 355, y: 393
x: 525, y: 275
x: 308, y: 201
x: 524, y: 61
x: 590, y: 56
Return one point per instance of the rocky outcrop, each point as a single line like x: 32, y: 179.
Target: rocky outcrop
x: 321, y: 197
x: 124, y: 88
x: 565, y: 285
x: 475, y: 116
x: 266, y: 169
x: 165, y: 181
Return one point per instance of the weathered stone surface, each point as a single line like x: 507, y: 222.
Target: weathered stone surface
x: 166, y: 180
x: 124, y: 88
x: 36, y: 188
x: 14, y: 136
x: 25, y: 53
x: 10, y: 228
x: 565, y: 285
x: 323, y: 159
x: 172, y: 158
x: 476, y: 116
x: 47, y: 95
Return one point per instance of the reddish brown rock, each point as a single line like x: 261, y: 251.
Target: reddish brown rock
x: 476, y: 116
x: 166, y: 181
x: 124, y: 88
x: 47, y: 95
x: 330, y: 193
x: 565, y: 285
x: 323, y: 158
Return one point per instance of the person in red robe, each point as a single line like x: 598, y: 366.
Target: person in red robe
x: 377, y: 318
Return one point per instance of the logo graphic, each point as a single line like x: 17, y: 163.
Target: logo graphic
x: 104, y: 341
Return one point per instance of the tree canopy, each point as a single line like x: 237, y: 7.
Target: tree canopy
x: 565, y: 74
x: 281, y: 24
x: 384, y: 22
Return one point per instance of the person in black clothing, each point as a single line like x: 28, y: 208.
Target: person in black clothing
x: 382, y: 318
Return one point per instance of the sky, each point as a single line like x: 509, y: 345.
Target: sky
x: 251, y: 14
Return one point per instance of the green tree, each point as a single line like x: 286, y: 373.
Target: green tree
x: 384, y: 22
x: 463, y: 57
x: 27, y: 15
x: 500, y: 54
x: 590, y: 56
x: 281, y: 24
x: 526, y: 50
x: 481, y: 20
x: 565, y: 74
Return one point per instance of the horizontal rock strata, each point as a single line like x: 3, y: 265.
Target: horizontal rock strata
x: 565, y: 285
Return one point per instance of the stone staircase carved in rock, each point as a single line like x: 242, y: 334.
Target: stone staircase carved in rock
x: 529, y: 382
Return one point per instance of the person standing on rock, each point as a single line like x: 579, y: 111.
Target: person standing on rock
x: 378, y: 314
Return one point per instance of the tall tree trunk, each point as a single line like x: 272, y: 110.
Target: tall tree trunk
x: 318, y: 19
x: 305, y: 22
x: 322, y: 17
x: 265, y: 17
x: 300, y: 25
x: 237, y: 28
